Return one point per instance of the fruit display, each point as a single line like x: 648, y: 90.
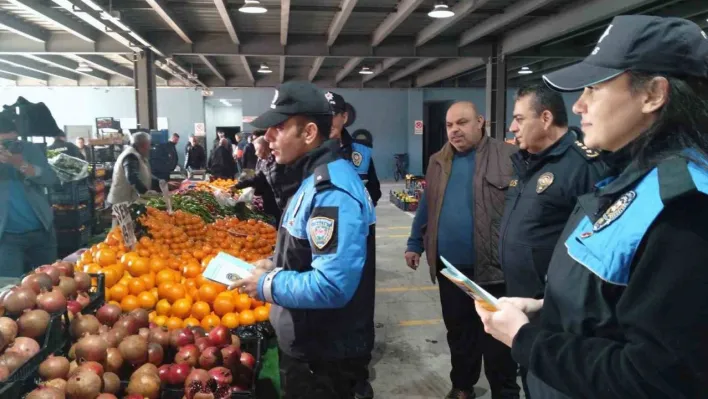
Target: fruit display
x: 163, y: 274
x: 200, y: 203
x: 404, y: 201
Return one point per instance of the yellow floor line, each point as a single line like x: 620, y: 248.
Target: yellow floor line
x: 394, y: 236
x: 399, y: 228
x: 411, y: 323
x: 406, y: 289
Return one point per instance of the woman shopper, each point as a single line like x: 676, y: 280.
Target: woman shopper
x: 625, y: 313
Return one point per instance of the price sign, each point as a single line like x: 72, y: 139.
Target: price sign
x: 127, y: 228
x: 166, y: 195
x: 418, y: 127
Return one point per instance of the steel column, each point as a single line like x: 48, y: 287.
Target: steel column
x: 496, y: 94
x: 145, y: 90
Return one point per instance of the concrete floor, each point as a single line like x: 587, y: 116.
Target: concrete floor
x: 411, y: 356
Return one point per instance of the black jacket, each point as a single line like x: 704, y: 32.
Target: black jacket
x: 540, y: 198
x: 249, y: 158
x: 266, y: 171
x: 625, y: 313
x: 222, y: 163
x: 67, y: 148
x: 371, y: 180
x: 164, y: 159
x: 195, y: 157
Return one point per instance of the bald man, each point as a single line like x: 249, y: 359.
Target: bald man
x: 458, y: 218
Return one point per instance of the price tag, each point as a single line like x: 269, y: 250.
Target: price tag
x: 164, y: 188
x: 127, y: 228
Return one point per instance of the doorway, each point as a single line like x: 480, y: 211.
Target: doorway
x: 434, y: 130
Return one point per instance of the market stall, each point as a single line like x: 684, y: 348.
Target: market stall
x: 408, y: 198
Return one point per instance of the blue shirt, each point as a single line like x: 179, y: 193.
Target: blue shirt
x: 21, y: 218
x: 456, y: 219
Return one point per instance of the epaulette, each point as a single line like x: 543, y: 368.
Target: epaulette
x: 675, y: 179
x: 323, y: 181
x: 586, y: 152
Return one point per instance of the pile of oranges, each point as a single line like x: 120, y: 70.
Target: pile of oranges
x: 220, y: 184
x: 163, y: 273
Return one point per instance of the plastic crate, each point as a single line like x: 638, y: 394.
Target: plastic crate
x: 70, y: 193
x: 73, y: 239
x: 72, y: 218
x: 97, y: 293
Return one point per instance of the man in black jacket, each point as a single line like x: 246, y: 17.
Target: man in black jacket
x: 267, y: 180
x: 195, y: 156
x: 222, y: 164
x: 61, y: 145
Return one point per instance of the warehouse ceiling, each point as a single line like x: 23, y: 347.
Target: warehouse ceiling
x: 210, y: 43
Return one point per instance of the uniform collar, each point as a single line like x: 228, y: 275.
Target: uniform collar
x: 346, y: 138
x: 524, y: 162
x: 305, y: 166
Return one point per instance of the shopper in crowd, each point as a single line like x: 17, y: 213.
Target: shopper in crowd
x: 552, y: 169
x: 625, y: 313
x: 266, y: 181
x: 164, y: 158
x: 61, y: 145
x: 27, y: 235
x: 249, y: 158
x: 194, y: 155
x: 358, y: 153
x: 458, y: 218
x: 221, y: 163
x: 132, y: 175
x: 323, y: 285
x: 83, y: 150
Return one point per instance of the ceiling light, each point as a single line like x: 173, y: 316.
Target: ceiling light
x: 264, y: 69
x: 366, y: 71
x: 525, y: 71
x: 252, y: 7
x: 84, y: 67
x: 441, y: 10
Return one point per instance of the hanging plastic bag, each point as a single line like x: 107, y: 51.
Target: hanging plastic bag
x: 69, y: 168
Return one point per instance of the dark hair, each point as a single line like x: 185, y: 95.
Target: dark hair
x: 259, y: 132
x: 681, y: 123
x: 175, y: 135
x: 546, y: 99
x: 323, y: 122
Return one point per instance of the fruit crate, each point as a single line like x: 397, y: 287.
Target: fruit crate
x: 74, y: 239
x: 72, y: 218
x: 70, y: 193
x: 97, y: 293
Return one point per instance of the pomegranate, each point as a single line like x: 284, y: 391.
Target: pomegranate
x: 141, y: 316
x: 222, y: 376
x: 106, y: 396
x: 163, y: 371
x: 52, y: 301
x: 144, y: 332
x: 134, y: 350
x: 91, y: 348
x: 92, y: 366
x: 73, y: 307
x: 83, y: 281
x: 111, y: 383
x: 67, y: 286
x: 8, y: 329
x: 33, y: 323
x: 44, y: 392
x: 188, y: 354
x: 83, y: 385
x: 83, y: 324
x: 231, y: 356
x: 83, y: 299
x: 134, y: 396
x: 196, y: 381
x: 181, y: 337
x: 23, y: 346
x: 51, y: 271
x: 128, y: 323
x: 37, y: 282
x: 198, y: 331
x: 4, y: 373
x: 248, y: 360
x: 65, y: 268
x: 202, y: 343
x: 220, y: 336
x: 54, y: 367
x: 12, y: 361
x: 178, y: 373
x: 19, y: 299
x: 210, y: 358
x: 108, y: 314
x: 114, y: 360
x: 159, y: 336
x: 145, y: 384
x: 58, y: 383
x: 155, y: 353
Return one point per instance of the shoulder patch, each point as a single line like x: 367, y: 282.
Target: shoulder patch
x: 586, y: 152
x: 356, y: 158
x: 323, y: 181
x: 321, y: 231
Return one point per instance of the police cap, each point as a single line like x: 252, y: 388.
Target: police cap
x: 291, y: 99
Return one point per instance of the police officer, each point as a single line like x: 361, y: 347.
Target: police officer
x: 625, y: 312
x: 359, y: 153
x: 552, y: 168
x: 321, y: 281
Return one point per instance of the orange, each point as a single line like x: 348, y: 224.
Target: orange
x: 105, y: 257
x: 198, y: 254
x: 190, y: 322
x: 182, y: 308
x: 230, y: 320
x: 256, y: 303
x: 86, y: 257
x: 118, y: 292
x: 136, y: 285
x: 208, y: 292
x: 111, y: 276
x: 92, y: 268
x: 246, y: 318
x: 163, y: 307
x: 129, y: 303
x: 160, y: 320
x: 190, y: 283
x: 222, y: 306
x: 154, y: 293
x: 128, y: 258
x: 242, y: 303
x: 176, y: 292
x: 174, y: 323
x: 261, y: 313
x: 157, y: 264
x: 149, y: 280
x: 200, y: 310
x: 164, y: 288
x: 192, y: 270
x: 164, y: 276
x: 147, y: 300
x: 139, y: 267
x: 210, y: 322
x: 151, y: 316
x: 201, y: 280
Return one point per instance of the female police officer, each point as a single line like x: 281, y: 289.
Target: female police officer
x: 625, y: 313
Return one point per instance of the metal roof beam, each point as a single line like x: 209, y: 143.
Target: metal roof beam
x: 405, y: 8
x: 348, y: 68
x: 284, y: 21
x: 107, y: 64
x: 461, y: 10
x: 282, y: 69
x: 380, y: 68
x: 161, y: 9
x: 316, y: 65
x: 567, y: 21
x: 22, y: 28
x: 411, y: 69
x: 447, y: 70
x: 27, y: 73
x: 8, y: 76
x: 159, y: 72
x: 70, y: 65
x: 226, y: 18
x: 492, y: 24
x: 247, y: 68
x: 37, y: 66
x: 211, y: 64
x: 77, y: 29
x: 340, y: 19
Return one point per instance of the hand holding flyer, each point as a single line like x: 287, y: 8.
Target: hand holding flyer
x: 226, y: 269
x: 479, y: 294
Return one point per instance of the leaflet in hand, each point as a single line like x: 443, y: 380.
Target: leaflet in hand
x: 226, y: 269
x: 479, y: 294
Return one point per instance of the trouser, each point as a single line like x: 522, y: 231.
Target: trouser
x: 332, y: 379
x: 523, y: 373
x: 363, y: 373
x: 23, y: 252
x: 470, y: 345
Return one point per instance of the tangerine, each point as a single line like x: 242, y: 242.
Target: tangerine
x: 111, y: 276
x: 242, y: 303
x: 139, y: 267
x: 163, y: 289
x: 105, y: 257
x: 210, y: 322
x: 157, y: 264
x: 174, y: 323
x: 129, y: 303
x: 230, y: 320
x: 208, y: 292
x: 118, y: 292
x: 223, y: 305
x: 192, y: 270
x: 164, y: 276
x: 200, y: 310
x: 147, y: 300
x: 181, y: 308
x: 163, y: 307
x: 190, y: 322
x: 136, y: 285
x: 176, y: 292
x: 261, y: 313
x: 246, y: 318
x: 160, y: 320
x: 149, y: 280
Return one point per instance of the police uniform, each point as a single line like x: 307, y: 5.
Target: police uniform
x: 322, y: 289
x: 539, y: 201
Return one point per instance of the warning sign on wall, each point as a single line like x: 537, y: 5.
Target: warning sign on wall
x: 199, y: 129
x: 418, y: 127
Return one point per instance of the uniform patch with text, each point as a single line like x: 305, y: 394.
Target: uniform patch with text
x: 357, y: 158
x: 321, y: 231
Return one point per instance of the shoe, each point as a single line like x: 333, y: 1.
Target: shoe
x: 460, y: 394
x: 363, y: 390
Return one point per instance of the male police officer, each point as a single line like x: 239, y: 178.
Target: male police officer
x: 358, y: 153
x: 321, y: 282
x: 552, y: 169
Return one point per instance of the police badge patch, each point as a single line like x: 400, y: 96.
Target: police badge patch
x: 615, y: 211
x: 357, y: 158
x: 321, y: 230
x: 544, y: 182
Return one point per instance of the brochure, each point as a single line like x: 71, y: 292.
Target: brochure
x: 226, y: 269
x: 479, y: 294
